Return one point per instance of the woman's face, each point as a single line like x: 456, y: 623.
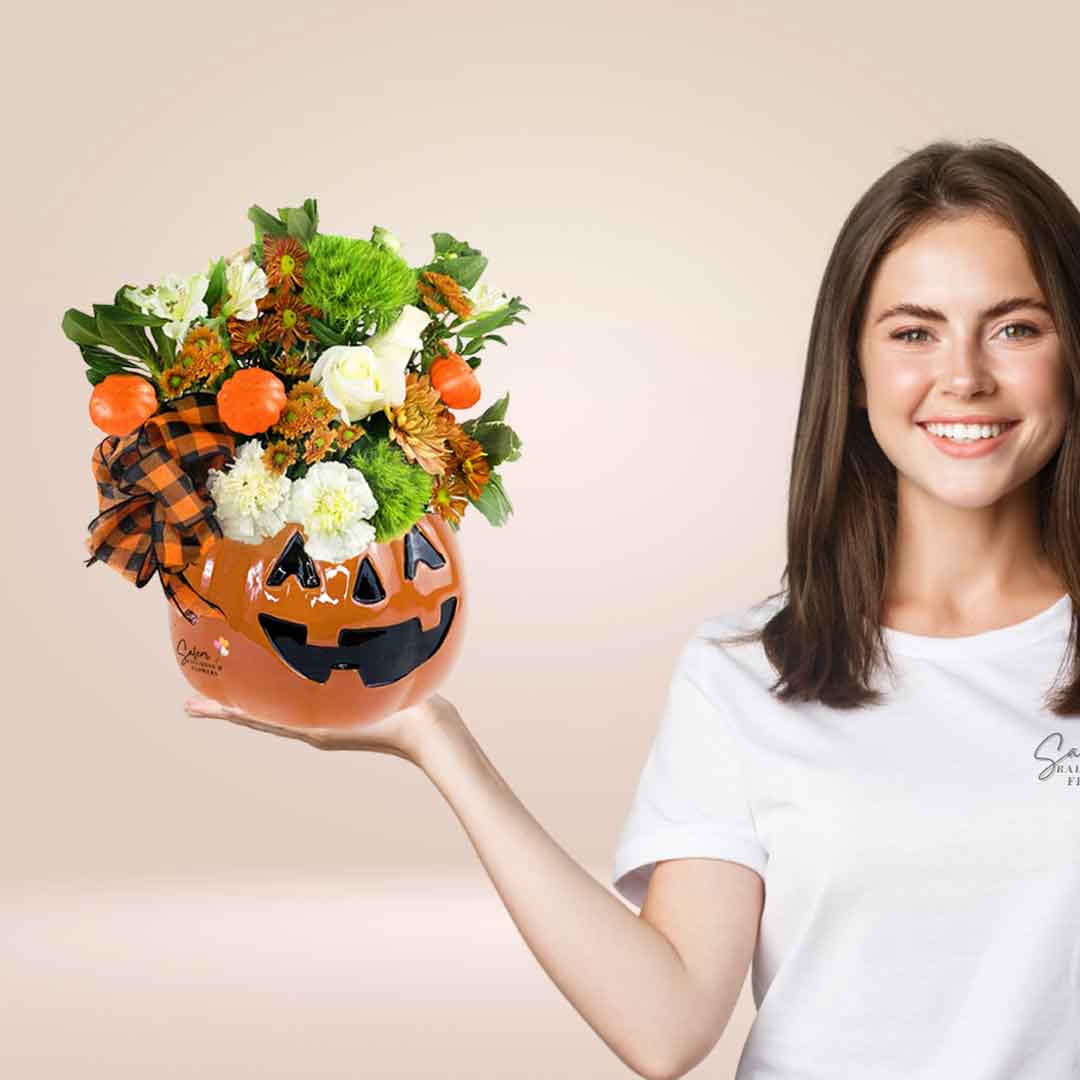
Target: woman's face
x: 955, y: 329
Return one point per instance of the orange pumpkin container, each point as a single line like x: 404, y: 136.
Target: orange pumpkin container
x: 318, y: 644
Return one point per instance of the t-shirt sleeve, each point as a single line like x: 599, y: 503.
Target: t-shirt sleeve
x: 691, y: 799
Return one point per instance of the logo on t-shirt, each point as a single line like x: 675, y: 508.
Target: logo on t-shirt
x: 1060, y: 762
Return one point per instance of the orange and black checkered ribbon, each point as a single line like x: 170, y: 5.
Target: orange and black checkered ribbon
x: 156, y: 514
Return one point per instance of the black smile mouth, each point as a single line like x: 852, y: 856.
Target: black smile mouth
x: 379, y: 654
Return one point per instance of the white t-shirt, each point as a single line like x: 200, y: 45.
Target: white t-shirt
x: 921, y: 859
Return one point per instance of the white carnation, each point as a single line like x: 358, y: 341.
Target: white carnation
x: 333, y: 502
x: 251, y: 500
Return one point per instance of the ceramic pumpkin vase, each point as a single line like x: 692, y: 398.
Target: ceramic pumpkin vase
x: 321, y: 644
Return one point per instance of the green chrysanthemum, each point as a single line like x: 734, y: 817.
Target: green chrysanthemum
x: 402, y: 490
x: 356, y: 284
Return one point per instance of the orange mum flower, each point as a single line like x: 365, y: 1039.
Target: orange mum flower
x: 292, y: 365
x: 288, y: 323
x: 441, y: 291
x: 278, y: 456
x: 448, y: 497
x: 420, y: 424
x: 203, y: 354
x: 472, y: 463
x: 346, y: 434
x: 176, y: 380
x: 318, y: 444
x: 283, y: 262
x: 244, y: 334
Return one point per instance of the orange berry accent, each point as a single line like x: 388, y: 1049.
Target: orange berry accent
x: 120, y: 403
x: 251, y: 400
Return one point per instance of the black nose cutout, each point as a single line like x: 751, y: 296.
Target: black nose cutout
x: 295, y: 560
x: 418, y: 549
x: 368, y: 588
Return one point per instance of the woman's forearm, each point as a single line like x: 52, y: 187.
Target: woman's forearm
x: 619, y: 972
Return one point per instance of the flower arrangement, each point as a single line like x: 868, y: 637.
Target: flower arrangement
x: 309, y: 378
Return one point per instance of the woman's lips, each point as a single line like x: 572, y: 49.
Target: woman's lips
x: 973, y: 448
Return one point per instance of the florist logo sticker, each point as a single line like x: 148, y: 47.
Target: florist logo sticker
x: 195, y: 659
x: 1060, y: 762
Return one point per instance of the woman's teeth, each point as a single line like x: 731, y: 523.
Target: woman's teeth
x: 966, y: 432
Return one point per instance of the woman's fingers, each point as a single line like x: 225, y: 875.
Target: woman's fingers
x: 204, y: 706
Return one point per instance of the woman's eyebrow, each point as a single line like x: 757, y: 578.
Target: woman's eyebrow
x: 995, y: 311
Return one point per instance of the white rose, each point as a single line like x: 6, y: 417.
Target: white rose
x: 361, y: 379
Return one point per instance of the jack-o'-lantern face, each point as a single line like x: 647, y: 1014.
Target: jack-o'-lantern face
x: 306, y: 642
x: 380, y: 652
x: 381, y: 614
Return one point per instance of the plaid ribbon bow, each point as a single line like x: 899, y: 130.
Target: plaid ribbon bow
x: 156, y: 515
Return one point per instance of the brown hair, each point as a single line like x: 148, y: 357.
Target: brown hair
x: 826, y: 641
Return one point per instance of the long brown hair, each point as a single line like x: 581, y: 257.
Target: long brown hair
x: 825, y: 642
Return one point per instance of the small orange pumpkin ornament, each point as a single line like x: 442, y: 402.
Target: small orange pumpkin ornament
x: 120, y: 403
x: 321, y: 644
x: 251, y: 400
x: 455, y: 381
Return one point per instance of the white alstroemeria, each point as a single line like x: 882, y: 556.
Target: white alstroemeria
x: 361, y: 379
x: 250, y: 499
x: 245, y: 282
x: 485, y: 300
x: 174, y: 298
x: 333, y: 502
x: 385, y: 238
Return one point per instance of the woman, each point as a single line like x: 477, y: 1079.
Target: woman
x: 899, y: 856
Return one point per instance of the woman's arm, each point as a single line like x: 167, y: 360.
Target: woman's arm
x: 620, y: 973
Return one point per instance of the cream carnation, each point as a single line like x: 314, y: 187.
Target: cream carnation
x: 250, y: 499
x: 333, y: 502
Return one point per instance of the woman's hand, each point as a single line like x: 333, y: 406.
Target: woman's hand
x: 399, y: 734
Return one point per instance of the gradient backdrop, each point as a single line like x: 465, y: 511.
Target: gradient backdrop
x: 661, y: 184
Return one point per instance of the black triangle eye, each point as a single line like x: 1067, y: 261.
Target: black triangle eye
x: 368, y: 588
x: 294, y: 560
x: 418, y: 549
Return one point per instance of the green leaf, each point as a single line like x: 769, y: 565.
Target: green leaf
x: 215, y: 291
x: 266, y: 222
x: 472, y: 347
x: 494, y: 412
x: 127, y: 339
x: 503, y: 316
x: 101, y: 362
x: 166, y: 346
x: 445, y: 244
x: 500, y: 442
x: 324, y: 333
x: 464, y: 269
x: 128, y: 315
x: 492, y: 501
x: 81, y: 328
x: 298, y: 223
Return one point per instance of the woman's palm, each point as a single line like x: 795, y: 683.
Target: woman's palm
x: 397, y: 734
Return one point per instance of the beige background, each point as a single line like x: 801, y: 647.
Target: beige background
x: 662, y: 185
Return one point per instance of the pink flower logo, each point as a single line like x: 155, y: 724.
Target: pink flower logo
x: 222, y: 645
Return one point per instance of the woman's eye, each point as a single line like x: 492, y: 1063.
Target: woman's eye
x: 1020, y: 326
x: 902, y: 335
x: 1032, y: 331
